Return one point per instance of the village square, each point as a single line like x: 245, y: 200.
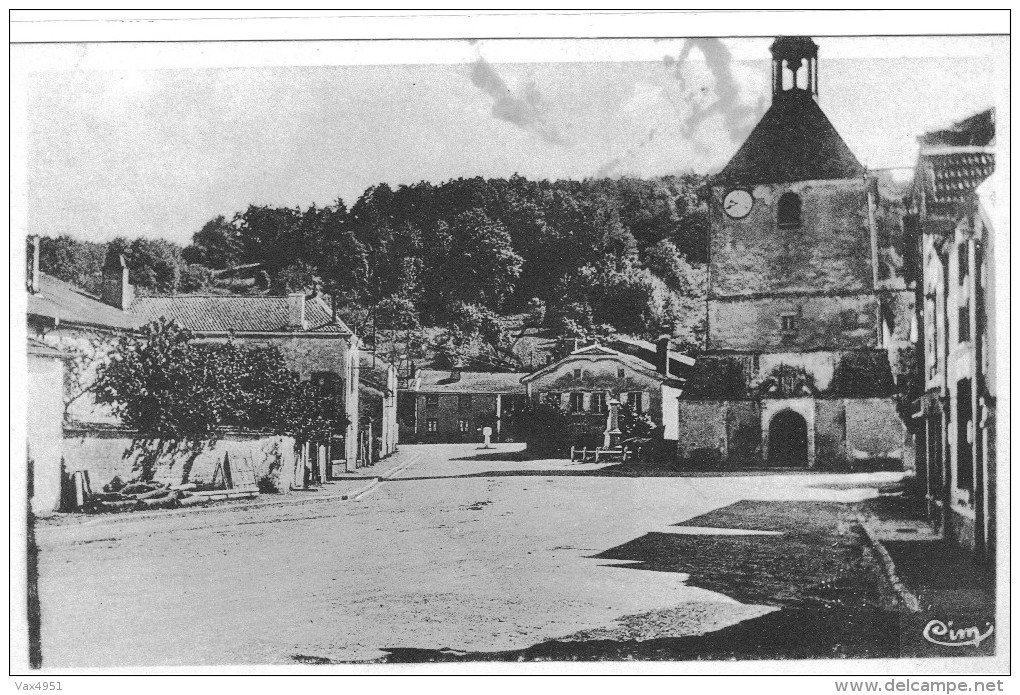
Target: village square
x: 748, y: 414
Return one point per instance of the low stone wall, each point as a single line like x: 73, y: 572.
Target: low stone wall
x: 108, y: 453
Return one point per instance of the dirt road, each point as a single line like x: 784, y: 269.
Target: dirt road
x: 459, y: 552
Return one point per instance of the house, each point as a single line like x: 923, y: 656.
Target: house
x: 796, y: 369
x: 313, y: 342
x: 455, y: 406
x: 951, y: 226
x: 378, y: 407
x: 583, y: 383
x: 83, y: 329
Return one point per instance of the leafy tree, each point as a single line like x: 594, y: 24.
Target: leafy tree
x: 298, y: 277
x: 154, y: 264
x: 158, y: 385
x: 77, y: 262
x: 164, y: 385
x: 482, y: 265
x: 270, y: 236
x: 195, y: 278
x: 218, y: 245
x: 633, y: 424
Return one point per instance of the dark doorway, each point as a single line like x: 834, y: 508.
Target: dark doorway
x: 788, y: 441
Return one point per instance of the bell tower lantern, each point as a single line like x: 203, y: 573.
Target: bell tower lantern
x: 794, y: 66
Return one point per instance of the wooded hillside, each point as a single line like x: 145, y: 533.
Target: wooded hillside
x: 464, y: 271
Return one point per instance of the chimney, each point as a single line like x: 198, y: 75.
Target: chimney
x: 662, y: 354
x: 296, y: 311
x: 455, y: 372
x: 117, y: 290
x: 32, y: 264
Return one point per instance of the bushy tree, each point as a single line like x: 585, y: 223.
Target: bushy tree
x: 154, y: 264
x: 77, y: 262
x: 218, y: 245
x: 483, y: 265
x: 195, y: 278
x: 166, y: 386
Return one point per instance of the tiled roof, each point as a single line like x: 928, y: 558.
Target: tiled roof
x: 224, y: 314
x: 70, y: 305
x: 948, y: 177
x: 794, y: 141
x: 954, y: 161
x: 430, y: 381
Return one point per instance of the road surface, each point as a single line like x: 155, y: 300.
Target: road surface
x: 458, y: 551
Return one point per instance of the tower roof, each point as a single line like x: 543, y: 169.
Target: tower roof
x: 794, y: 141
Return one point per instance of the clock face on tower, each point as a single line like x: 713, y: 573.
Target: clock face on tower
x: 738, y: 203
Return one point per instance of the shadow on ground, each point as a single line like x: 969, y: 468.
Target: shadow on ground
x: 618, y: 470
x: 818, y: 572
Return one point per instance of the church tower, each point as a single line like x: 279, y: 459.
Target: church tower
x: 793, y: 304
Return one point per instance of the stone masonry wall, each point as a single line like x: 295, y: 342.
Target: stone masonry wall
x: 821, y: 322
x: 830, y: 250
x: 874, y: 428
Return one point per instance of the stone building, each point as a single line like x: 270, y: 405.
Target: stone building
x: 454, y: 406
x: 313, y: 342
x: 801, y: 314
x: 953, y: 236
x: 583, y: 382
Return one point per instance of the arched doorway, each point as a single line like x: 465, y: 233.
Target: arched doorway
x: 788, y: 439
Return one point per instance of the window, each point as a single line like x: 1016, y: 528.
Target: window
x: 464, y: 425
x: 598, y: 403
x: 620, y: 373
x: 577, y: 402
x: 789, y: 210
x: 552, y: 398
x: 635, y: 401
x: 432, y: 425
x: 789, y: 322
x: 964, y: 436
x: 932, y: 335
x: 464, y: 402
x: 964, y: 320
x: 432, y: 401
x: 963, y: 262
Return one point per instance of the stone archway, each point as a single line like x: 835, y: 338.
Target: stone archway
x: 788, y: 440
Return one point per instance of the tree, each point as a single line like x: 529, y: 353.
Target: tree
x: 154, y: 264
x: 298, y: 277
x: 77, y: 262
x: 482, y: 265
x: 633, y: 424
x: 167, y: 387
x: 217, y: 245
x: 195, y: 278
x: 269, y: 236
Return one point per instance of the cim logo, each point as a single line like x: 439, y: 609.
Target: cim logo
x: 945, y: 635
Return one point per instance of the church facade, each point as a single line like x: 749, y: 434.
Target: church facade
x: 804, y: 318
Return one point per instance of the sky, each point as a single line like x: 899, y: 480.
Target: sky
x: 122, y: 143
